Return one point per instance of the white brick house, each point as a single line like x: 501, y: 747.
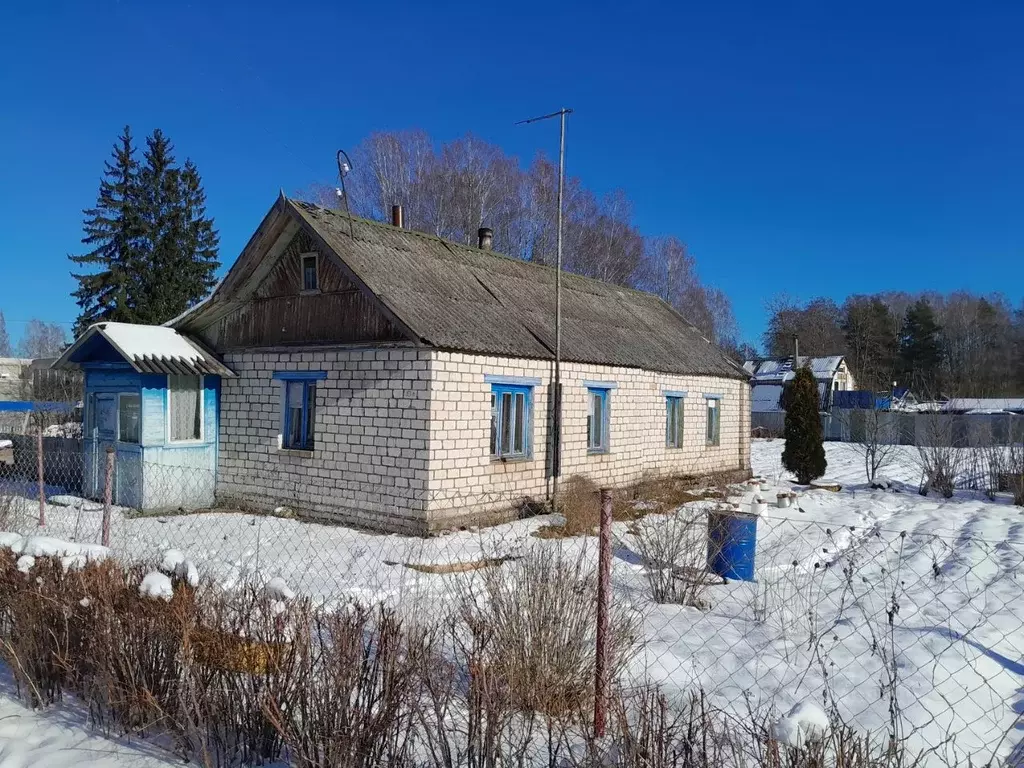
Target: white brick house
x: 395, y: 380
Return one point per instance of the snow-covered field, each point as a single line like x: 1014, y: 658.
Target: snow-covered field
x: 815, y: 626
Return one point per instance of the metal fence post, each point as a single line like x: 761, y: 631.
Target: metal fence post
x: 604, y: 578
x: 108, y: 484
x: 42, y: 480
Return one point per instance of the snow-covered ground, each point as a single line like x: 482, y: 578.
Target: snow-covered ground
x: 815, y: 627
x: 59, y: 737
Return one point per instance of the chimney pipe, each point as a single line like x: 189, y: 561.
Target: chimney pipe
x: 485, y: 235
x: 796, y: 354
x: 396, y: 216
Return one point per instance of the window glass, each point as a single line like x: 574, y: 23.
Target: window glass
x: 597, y: 420
x: 714, y: 415
x: 309, y: 275
x: 185, y: 393
x: 129, y: 421
x: 511, y: 420
x: 674, y: 422
x: 294, y: 400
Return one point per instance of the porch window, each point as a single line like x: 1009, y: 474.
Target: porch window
x: 298, y: 408
x: 511, y: 421
x: 597, y: 420
x: 714, y: 407
x: 129, y: 418
x: 185, y: 401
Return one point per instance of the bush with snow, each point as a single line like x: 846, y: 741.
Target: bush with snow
x: 174, y: 563
x: 156, y: 586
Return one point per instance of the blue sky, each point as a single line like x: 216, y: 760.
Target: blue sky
x: 809, y: 148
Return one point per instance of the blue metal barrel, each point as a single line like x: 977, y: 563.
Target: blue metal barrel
x: 732, y: 541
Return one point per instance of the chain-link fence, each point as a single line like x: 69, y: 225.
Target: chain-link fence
x: 772, y: 620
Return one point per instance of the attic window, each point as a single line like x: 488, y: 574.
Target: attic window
x: 310, y: 276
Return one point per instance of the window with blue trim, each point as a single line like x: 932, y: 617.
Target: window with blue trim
x: 597, y: 420
x: 714, y: 420
x: 511, y: 421
x: 674, y: 421
x: 298, y: 405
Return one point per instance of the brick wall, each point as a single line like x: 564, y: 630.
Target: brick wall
x: 369, y: 465
x: 463, y: 479
x: 402, y: 435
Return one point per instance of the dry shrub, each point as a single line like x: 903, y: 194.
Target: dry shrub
x: 533, y: 630
x: 580, y: 504
x: 646, y: 729
x: 248, y: 656
x: 135, y: 664
x: 673, y: 549
x: 359, y: 696
x: 9, y: 507
x: 48, y: 636
x: 940, y: 456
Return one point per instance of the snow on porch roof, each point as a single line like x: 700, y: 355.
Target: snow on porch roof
x: 148, y: 349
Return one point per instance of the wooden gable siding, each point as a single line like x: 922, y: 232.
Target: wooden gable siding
x: 279, y: 313
x: 285, y: 279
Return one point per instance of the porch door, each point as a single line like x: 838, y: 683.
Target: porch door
x: 101, y: 432
x: 116, y: 422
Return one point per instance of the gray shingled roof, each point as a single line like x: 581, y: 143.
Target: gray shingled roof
x: 459, y: 298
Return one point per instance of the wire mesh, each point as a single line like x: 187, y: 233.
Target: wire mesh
x: 898, y: 616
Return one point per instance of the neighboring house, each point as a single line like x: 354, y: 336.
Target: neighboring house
x: 769, y: 378
x: 14, y: 378
x: 396, y: 380
x: 33, y: 395
x: 151, y: 394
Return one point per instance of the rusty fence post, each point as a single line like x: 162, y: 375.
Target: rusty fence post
x: 108, y: 485
x: 42, y: 480
x: 604, y: 583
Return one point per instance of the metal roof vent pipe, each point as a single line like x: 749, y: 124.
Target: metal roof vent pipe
x: 485, y: 236
x: 396, y: 216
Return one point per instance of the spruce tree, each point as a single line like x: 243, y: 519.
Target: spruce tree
x: 920, y: 354
x: 113, y: 229
x: 180, y: 241
x: 804, y: 454
x: 156, y: 248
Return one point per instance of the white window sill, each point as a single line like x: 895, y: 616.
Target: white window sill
x: 510, y: 459
x: 297, y: 452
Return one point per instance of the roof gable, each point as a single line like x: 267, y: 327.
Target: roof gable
x: 780, y: 369
x: 450, y: 296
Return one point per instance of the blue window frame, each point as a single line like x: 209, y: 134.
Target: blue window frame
x: 597, y: 419
x: 674, y: 421
x: 714, y: 423
x: 298, y: 408
x: 511, y: 421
